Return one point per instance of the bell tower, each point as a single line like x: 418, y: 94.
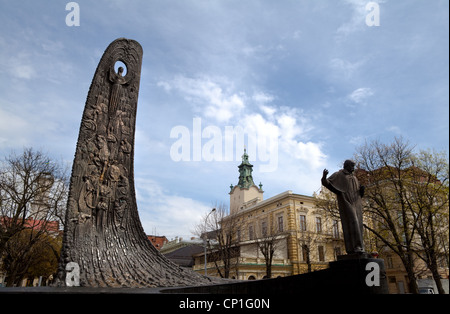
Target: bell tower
x: 245, y: 193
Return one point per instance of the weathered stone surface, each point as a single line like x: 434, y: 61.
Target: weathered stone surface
x: 103, y: 233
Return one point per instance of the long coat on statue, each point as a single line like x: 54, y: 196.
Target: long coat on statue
x: 347, y: 189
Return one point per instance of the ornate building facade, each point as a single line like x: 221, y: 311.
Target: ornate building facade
x: 285, y: 233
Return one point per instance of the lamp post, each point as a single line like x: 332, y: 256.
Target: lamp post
x: 204, y: 239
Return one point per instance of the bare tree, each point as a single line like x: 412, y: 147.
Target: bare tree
x: 428, y: 201
x: 221, y: 230
x: 383, y: 171
x: 33, y: 194
x: 308, y: 240
x: 403, y: 194
x: 268, y: 240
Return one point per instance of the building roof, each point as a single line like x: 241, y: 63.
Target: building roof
x: 245, y: 172
x: 157, y: 241
x: 273, y: 199
x: 35, y: 224
x: 183, y: 255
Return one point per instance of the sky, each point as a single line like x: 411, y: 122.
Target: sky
x: 300, y: 84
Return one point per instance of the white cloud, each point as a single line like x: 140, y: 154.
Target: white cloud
x: 309, y: 153
x: 212, y: 100
x: 23, y: 71
x: 294, y: 129
x: 167, y: 87
x: 357, y: 140
x: 267, y: 110
x: 223, y: 108
x: 299, y: 161
x: 13, y: 129
x: 264, y: 135
x: 20, y: 66
x: 344, y: 69
x: 301, y: 175
x: 171, y: 215
x: 262, y: 98
x: 289, y: 127
x: 287, y: 133
x: 357, y: 20
x: 394, y: 129
x: 360, y: 95
x: 52, y: 46
x: 270, y: 129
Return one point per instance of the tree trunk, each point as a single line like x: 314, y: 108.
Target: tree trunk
x: 305, y: 247
x: 432, y: 265
x: 408, y: 262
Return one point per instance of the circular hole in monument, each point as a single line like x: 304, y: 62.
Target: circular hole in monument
x: 120, y: 64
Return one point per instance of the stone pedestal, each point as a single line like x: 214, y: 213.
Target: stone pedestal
x: 360, y: 272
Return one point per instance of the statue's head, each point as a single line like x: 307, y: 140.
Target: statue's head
x: 349, y: 165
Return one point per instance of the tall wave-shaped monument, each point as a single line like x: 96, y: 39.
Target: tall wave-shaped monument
x: 104, y: 243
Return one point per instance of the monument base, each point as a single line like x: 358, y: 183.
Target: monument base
x: 351, y: 275
x: 359, y: 274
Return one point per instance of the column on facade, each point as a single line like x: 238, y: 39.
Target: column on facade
x: 293, y: 252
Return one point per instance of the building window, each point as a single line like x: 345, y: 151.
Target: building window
x: 305, y: 252
x: 321, y: 253
x: 264, y: 228
x: 302, y: 223
x: 280, y: 224
x: 250, y: 233
x: 335, y: 229
x: 337, y: 252
x: 442, y: 262
x: 389, y: 262
x: 318, y: 225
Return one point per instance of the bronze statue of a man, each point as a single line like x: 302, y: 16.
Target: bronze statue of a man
x: 349, y: 193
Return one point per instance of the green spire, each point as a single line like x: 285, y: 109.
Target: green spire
x: 245, y: 172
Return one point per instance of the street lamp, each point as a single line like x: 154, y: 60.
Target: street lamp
x: 204, y: 238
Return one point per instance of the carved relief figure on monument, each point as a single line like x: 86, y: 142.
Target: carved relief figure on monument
x: 116, y: 91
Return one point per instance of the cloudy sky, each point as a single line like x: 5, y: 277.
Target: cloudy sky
x: 305, y: 81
